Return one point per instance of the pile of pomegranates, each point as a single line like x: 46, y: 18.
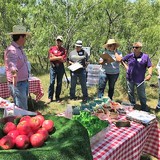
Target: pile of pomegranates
x: 29, y: 132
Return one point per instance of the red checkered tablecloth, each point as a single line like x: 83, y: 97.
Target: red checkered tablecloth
x: 128, y: 143
x: 35, y: 87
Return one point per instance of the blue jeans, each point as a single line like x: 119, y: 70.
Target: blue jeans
x: 81, y: 74
x: 111, y: 78
x: 55, y: 72
x: 141, y: 94
x: 20, y: 94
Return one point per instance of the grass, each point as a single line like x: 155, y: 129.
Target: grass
x: 119, y: 95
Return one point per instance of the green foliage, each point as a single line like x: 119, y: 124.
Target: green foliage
x: 93, y: 21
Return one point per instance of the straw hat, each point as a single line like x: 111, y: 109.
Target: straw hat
x: 18, y: 29
x: 78, y: 43
x: 111, y: 41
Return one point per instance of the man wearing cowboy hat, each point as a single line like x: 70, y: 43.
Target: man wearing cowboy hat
x: 110, y: 68
x: 80, y: 56
x: 17, y: 67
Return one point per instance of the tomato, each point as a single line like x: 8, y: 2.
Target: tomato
x: 22, y: 141
x: 35, y: 123
x: 24, y: 127
x: 48, y: 125
x: 41, y: 118
x: 25, y: 118
x: 7, y: 142
x: 9, y: 126
x: 37, y: 140
x: 44, y: 132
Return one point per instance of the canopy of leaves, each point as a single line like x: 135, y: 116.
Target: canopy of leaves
x: 92, y: 21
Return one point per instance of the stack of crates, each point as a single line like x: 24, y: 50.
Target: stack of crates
x: 93, y: 72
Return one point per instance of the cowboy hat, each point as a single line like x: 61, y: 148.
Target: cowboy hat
x: 78, y: 43
x: 111, y: 41
x: 18, y: 29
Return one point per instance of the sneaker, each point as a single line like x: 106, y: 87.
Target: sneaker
x: 158, y: 108
x: 58, y: 100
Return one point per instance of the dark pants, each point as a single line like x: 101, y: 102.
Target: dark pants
x: 111, y: 78
x: 81, y: 74
x: 141, y: 94
x: 55, y: 72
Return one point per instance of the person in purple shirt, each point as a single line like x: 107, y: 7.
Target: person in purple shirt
x: 136, y: 64
x: 17, y: 67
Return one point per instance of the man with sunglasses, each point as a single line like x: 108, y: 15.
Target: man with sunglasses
x: 137, y: 62
x: 57, y: 56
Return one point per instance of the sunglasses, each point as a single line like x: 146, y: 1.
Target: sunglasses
x: 59, y: 40
x: 135, y: 47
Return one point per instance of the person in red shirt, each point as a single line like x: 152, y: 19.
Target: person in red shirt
x: 57, y: 56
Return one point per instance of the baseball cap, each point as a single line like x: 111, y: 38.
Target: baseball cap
x: 59, y: 38
x: 78, y: 43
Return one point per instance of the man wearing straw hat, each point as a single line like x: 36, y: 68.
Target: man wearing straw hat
x: 110, y: 68
x: 16, y: 66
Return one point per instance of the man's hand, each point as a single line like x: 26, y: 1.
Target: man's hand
x: 14, y: 81
x: 148, y: 77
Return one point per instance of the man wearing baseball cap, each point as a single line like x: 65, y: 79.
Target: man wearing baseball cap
x: 57, y: 56
x: 16, y: 66
x: 78, y: 55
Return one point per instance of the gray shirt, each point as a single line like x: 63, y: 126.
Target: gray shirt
x: 113, y: 67
x: 81, y: 57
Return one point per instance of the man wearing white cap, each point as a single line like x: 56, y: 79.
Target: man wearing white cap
x: 57, y: 56
x: 17, y: 67
x: 80, y: 56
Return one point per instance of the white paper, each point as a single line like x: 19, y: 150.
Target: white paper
x: 141, y: 116
x: 75, y: 66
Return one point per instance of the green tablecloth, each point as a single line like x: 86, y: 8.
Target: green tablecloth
x: 69, y: 142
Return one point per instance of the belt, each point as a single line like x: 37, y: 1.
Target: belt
x: 18, y: 81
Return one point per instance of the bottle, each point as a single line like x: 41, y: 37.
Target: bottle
x: 68, y: 112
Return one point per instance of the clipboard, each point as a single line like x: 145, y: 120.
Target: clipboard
x: 75, y: 66
x: 107, y: 57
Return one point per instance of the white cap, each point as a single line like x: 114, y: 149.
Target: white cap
x: 60, y: 38
x: 78, y: 43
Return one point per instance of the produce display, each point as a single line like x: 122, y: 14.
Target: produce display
x: 68, y: 139
x: 92, y: 123
x: 29, y: 132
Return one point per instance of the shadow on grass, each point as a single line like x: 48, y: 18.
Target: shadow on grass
x: 145, y: 157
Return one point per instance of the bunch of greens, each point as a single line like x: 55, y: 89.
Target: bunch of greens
x: 92, y: 123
